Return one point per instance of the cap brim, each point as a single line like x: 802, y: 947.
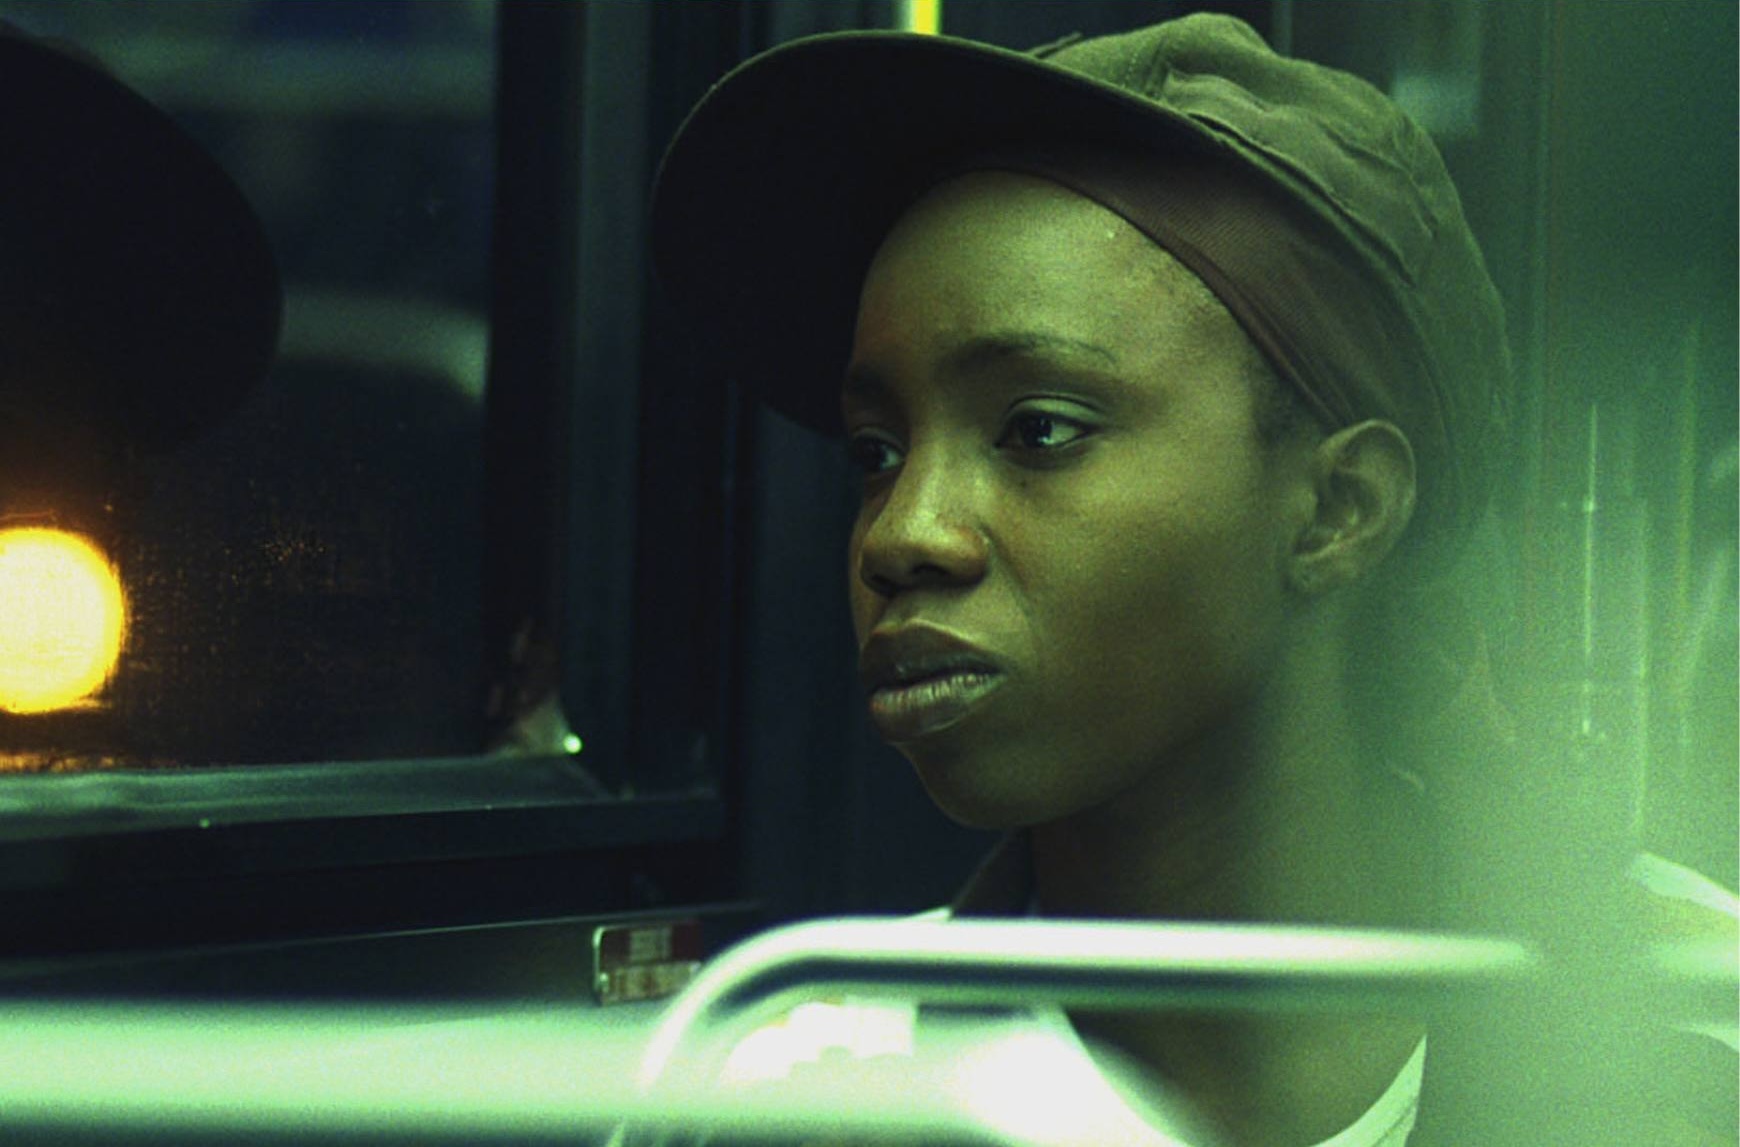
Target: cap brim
x: 781, y: 183
x: 147, y: 254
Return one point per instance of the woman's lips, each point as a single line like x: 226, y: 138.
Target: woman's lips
x: 908, y: 710
x: 921, y: 679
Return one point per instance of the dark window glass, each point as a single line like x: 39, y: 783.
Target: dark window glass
x: 304, y: 581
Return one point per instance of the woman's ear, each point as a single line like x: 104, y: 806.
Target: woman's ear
x: 1363, y: 478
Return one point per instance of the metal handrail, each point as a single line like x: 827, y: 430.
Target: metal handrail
x: 1147, y: 965
x: 1020, y: 963
x: 540, y: 1073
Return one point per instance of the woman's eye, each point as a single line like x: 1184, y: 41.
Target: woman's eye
x: 1034, y: 430
x: 872, y: 455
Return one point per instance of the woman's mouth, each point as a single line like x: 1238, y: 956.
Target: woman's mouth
x: 907, y: 710
x: 921, y: 679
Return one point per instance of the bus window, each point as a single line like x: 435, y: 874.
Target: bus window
x: 303, y: 580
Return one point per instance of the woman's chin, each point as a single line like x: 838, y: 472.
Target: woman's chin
x: 984, y: 795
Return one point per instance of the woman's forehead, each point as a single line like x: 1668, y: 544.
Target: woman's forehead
x: 992, y: 261
x: 1017, y: 216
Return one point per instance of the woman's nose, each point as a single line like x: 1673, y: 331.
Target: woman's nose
x: 927, y: 529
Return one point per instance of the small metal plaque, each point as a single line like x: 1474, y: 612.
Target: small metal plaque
x: 644, y: 960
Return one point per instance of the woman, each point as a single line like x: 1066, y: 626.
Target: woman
x: 1174, y: 375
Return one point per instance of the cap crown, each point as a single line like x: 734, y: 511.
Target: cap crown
x: 1354, y: 158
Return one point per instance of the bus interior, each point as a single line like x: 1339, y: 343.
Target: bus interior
x: 469, y: 692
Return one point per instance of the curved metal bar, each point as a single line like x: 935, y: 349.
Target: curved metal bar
x: 1015, y: 963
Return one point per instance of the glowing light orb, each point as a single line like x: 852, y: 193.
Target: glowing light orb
x: 62, y: 616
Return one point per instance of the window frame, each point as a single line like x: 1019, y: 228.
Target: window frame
x: 86, y: 859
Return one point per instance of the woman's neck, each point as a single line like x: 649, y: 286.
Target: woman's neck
x: 1276, y: 816
x: 1275, y: 819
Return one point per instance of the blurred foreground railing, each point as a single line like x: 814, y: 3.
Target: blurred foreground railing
x: 127, y: 1072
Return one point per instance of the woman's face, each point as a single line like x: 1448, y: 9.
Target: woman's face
x: 1069, y: 563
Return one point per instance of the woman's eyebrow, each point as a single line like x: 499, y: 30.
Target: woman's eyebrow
x: 864, y: 382
x: 989, y: 349
x: 861, y: 383
x: 981, y: 351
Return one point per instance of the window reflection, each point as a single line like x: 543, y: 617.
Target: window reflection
x: 303, y: 581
